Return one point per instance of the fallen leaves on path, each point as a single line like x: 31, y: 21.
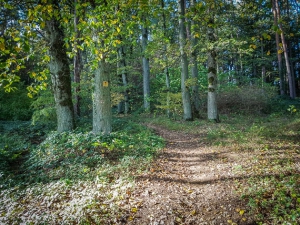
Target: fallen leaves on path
x: 189, y: 183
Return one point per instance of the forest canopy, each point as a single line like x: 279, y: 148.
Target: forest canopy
x: 142, y: 54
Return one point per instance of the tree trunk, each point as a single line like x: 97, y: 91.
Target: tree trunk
x: 212, y: 109
x: 165, y: 58
x: 146, y: 69
x: 263, y: 75
x: 60, y: 76
x: 279, y: 58
x: 280, y: 71
x: 102, y: 115
x: 291, y: 79
x: 292, y: 66
x: 186, y: 101
x: 123, y: 106
x: 77, y: 64
x: 195, y: 86
x: 263, y: 67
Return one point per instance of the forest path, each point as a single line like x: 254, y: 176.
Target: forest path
x: 189, y: 183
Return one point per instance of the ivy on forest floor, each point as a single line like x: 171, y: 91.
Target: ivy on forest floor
x: 78, y: 177
x: 273, y: 187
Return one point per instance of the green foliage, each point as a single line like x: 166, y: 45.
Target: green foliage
x: 170, y: 102
x: 12, y: 148
x: 15, y: 105
x: 83, y: 155
x: 275, y: 200
x: 77, y: 170
x: 292, y: 109
x: 285, y: 106
x: 44, y: 109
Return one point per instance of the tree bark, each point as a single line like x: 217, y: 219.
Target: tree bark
x: 279, y: 58
x: 166, y: 61
x: 263, y: 66
x: 77, y: 64
x: 102, y: 115
x: 60, y: 75
x: 195, y: 86
x: 212, y: 109
x: 123, y: 106
x: 146, y: 68
x: 186, y: 99
x: 286, y: 56
x: 291, y: 79
x: 293, y: 66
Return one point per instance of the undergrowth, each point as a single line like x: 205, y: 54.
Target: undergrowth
x: 83, y: 155
x: 81, y: 178
x: 78, y: 177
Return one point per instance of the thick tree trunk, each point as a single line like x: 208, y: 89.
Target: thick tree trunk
x: 146, y: 70
x: 212, y: 109
x: 60, y: 76
x: 195, y: 86
x: 102, y: 115
x: 186, y: 101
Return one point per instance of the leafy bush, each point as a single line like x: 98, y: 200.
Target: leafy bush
x: 44, y: 109
x: 283, y: 105
x: 171, y: 102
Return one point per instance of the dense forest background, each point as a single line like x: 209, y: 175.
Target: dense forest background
x: 156, y: 56
x: 81, y: 80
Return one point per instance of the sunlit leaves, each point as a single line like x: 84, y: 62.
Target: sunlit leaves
x: 42, y: 24
x: 41, y: 82
x: 20, y: 43
x: 292, y: 109
x: 266, y: 36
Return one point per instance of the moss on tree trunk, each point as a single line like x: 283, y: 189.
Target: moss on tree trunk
x: 60, y: 76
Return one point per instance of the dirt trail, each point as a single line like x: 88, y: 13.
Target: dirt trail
x: 189, y: 183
